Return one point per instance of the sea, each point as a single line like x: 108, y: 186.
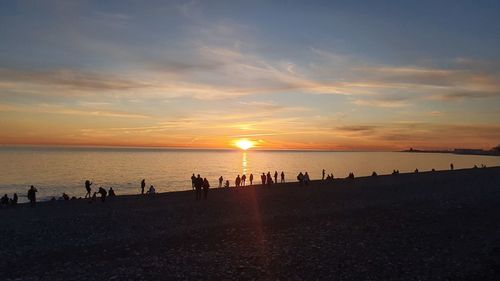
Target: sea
x: 54, y: 170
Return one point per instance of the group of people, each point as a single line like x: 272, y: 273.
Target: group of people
x: 199, y: 183
x: 303, y: 178
x: 6, y: 201
x: 110, y: 193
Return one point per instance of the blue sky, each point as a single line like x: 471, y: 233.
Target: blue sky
x: 377, y: 75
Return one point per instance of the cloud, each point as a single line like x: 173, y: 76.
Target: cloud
x: 57, y: 109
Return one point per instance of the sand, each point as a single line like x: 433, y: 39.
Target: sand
x: 441, y: 225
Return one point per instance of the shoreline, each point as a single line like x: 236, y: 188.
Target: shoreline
x: 335, y: 182
x: 439, y: 225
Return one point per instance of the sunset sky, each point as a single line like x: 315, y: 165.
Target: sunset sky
x: 370, y: 75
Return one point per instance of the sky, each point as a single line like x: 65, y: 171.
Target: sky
x: 335, y: 75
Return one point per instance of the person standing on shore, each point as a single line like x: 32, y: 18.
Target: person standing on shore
x: 243, y: 180
x: 221, y: 179
x: 193, y: 181
x: 143, y: 185
x: 251, y: 179
x: 282, y: 176
x: 198, y: 185
x: 323, y: 176
x: 88, y: 188
x: 237, y: 181
x: 269, y: 179
x: 276, y: 176
x: 263, y: 178
x: 32, y: 195
x: 206, y: 187
x: 451, y: 166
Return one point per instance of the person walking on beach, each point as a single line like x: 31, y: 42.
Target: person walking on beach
x: 111, y: 193
x: 143, y: 185
x: 282, y: 177
x: 323, y: 176
x: 251, y: 179
x: 88, y: 188
x: 263, y: 178
x: 206, y: 187
x: 451, y: 166
x: 193, y: 181
x: 198, y: 185
x: 243, y: 180
x: 221, y: 179
x: 32, y: 195
x: 276, y: 176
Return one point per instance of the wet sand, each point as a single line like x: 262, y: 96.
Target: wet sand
x: 441, y: 225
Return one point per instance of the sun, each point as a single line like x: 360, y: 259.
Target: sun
x: 244, y: 144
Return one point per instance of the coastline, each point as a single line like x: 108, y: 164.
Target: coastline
x: 415, y: 226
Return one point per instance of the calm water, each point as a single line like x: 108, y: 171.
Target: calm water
x: 54, y: 170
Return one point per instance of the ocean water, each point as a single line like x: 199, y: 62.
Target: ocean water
x: 54, y: 170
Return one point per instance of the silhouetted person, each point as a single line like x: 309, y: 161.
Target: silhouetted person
x: 221, y: 179
x: 475, y: 166
x: 226, y: 185
x: 32, y: 195
x: 151, y: 190
x: 351, y: 176
x: 282, y: 177
x: 14, y: 199
x: 103, y: 193
x: 374, y: 174
x: 143, y: 185
x: 263, y: 178
x: 323, y: 176
x: 4, y: 200
x: 111, y: 193
x: 269, y: 179
x: 451, y: 166
x: 306, y: 179
x: 65, y: 196
x: 193, y: 181
x: 276, y: 176
x: 251, y: 179
x: 416, y: 170
x: 331, y: 176
x: 198, y: 185
x: 300, y: 178
x: 237, y: 181
x: 88, y: 188
x: 206, y: 187
x: 243, y: 180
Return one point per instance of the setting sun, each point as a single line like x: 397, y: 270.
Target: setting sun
x: 244, y: 144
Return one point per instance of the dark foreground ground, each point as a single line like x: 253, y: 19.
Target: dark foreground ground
x: 426, y: 226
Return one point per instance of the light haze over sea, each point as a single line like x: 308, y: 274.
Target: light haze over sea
x: 54, y: 170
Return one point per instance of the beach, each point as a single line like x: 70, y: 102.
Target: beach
x: 442, y: 225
